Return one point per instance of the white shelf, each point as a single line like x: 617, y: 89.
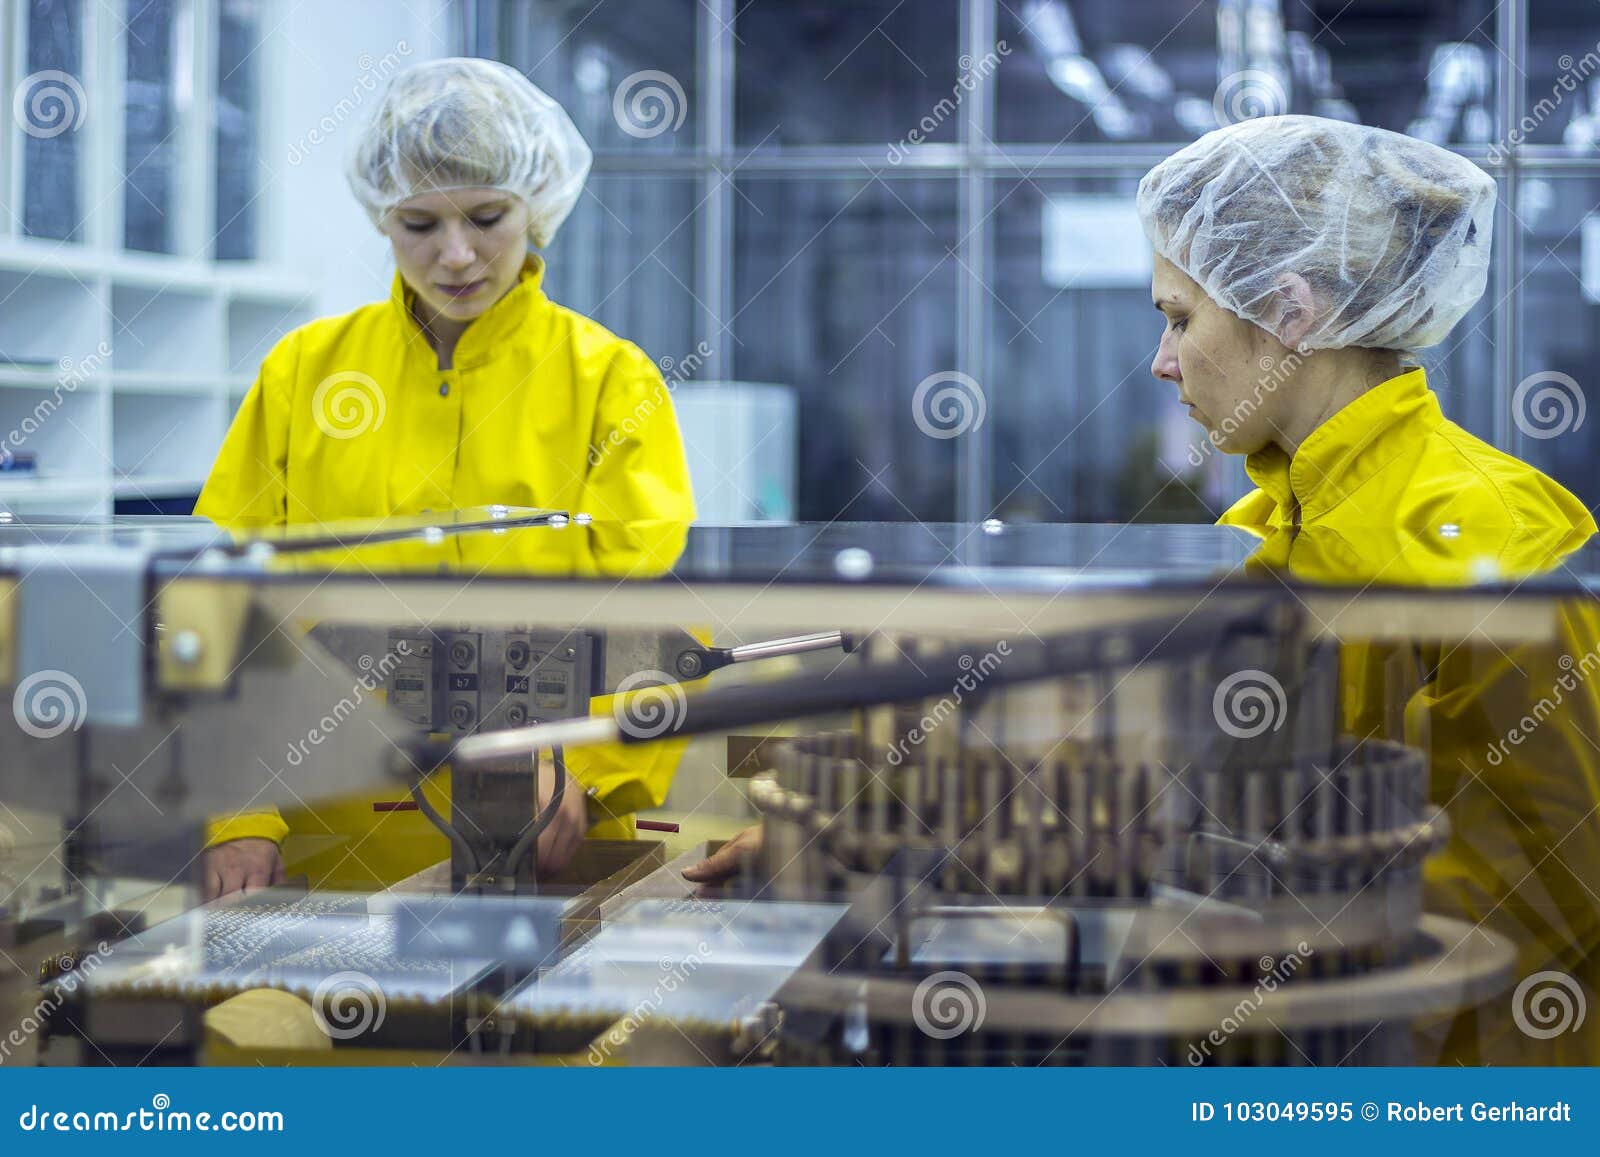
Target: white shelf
x: 13, y: 377
x: 140, y: 361
x: 53, y: 495
x: 244, y: 280
x: 155, y: 382
x: 11, y: 484
x: 156, y: 485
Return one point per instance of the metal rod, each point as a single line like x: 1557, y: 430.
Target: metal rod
x: 521, y: 742
x: 794, y: 645
x: 874, y: 684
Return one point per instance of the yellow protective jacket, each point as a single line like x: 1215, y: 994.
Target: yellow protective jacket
x: 1389, y: 491
x: 350, y: 417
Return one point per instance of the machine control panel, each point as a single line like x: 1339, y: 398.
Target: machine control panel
x: 462, y: 681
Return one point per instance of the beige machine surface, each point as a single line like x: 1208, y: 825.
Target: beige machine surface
x: 1048, y: 794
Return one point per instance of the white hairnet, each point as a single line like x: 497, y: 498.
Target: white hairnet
x: 1391, y: 233
x: 464, y: 122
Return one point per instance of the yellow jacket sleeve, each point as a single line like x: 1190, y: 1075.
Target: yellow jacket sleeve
x: 265, y: 824
x: 248, y: 484
x: 1512, y: 739
x: 1511, y: 744
x: 629, y: 778
x: 637, y: 471
x: 637, y: 468
x: 247, y: 488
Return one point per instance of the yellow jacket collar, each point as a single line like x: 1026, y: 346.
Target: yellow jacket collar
x: 502, y: 319
x: 1348, y: 448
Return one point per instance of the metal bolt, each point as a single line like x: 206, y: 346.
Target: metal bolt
x: 187, y: 647
x: 689, y: 664
x: 853, y: 562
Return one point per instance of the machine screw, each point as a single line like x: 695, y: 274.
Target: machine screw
x: 689, y: 664
x: 187, y: 647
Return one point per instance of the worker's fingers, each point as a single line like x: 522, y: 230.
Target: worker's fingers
x: 721, y: 865
x: 560, y: 842
x: 232, y: 879
x: 569, y: 847
x: 567, y: 844
x: 260, y: 866
x: 546, y: 849
x: 213, y: 883
x: 279, y: 874
x: 550, y: 843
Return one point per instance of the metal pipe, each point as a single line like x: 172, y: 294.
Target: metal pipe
x: 794, y: 645
x: 873, y: 684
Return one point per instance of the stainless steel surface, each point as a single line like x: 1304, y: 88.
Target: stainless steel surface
x: 798, y: 645
x: 1058, y: 812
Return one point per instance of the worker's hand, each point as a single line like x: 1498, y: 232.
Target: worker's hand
x: 240, y: 865
x: 725, y: 863
x: 559, y: 842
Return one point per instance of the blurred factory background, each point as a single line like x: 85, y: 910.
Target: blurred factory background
x: 884, y: 249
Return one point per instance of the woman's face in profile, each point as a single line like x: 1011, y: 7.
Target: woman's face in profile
x: 460, y: 250
x: 1227, y: 371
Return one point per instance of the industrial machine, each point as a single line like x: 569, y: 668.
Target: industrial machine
x: 1034, y: 794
